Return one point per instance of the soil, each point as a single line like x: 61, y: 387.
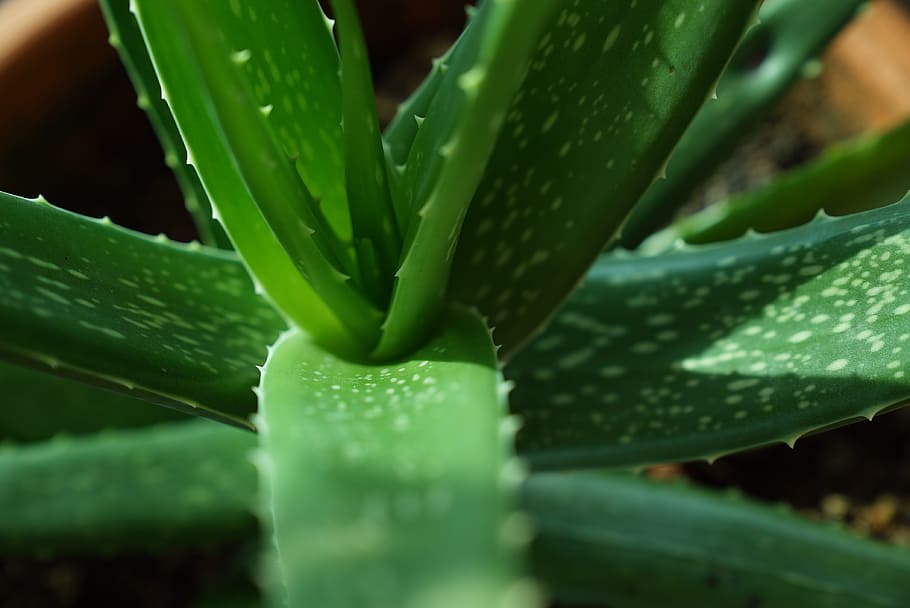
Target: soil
x: 92, y: 156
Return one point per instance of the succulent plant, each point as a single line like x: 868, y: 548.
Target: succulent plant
x: 444, y: 342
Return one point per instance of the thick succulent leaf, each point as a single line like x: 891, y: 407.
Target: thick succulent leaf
x: 611, y: 88
x: 208, y: 150
x: 39, y: 406
x: 601, y: 538
x: 282, y: 197
x: 370, y: 470
x: 868, y: 172
x: 373, y: 221
x: 772, y: 57
x: 722, y: 347
x: 619, y: 540
x: 139, y: 489
x: 176, y: 324
x: 448, y: 155
x: 127, y: 39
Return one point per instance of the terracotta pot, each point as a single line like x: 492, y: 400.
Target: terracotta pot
x: 48, y: 50
x: 865, y: 82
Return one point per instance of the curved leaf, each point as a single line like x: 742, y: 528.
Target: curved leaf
x: 127, y: 39
x: 619, y: 540
x: 176, y: 324
x: 770, y: 59
x: 611, y: 88
x: 861, y: 174
x: 212, y: 156
x: 712, y: 349
x: 601, y: 538
x: 448, y: 155
x: 140, y: 489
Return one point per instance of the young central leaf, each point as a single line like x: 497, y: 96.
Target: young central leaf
x: 209, y: 53
x: 376, y: 237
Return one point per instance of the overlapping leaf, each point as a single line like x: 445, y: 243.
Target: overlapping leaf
x: 127, y: 39
x: 600, y: 538
x: 773, y: 55
x: 370, y: 470
x: 611, y: 89
x: 868, y: 172
x: 623, y: 541
x: 172, y: 485
x: 448, y: 156
x: 175, y: 324
x: 39, y: 406
x: 709, y: 350
x: 201, y: 128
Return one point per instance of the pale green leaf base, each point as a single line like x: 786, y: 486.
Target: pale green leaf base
x: 386, y: 482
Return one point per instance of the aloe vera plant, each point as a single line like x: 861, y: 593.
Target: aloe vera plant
x: 432, y: 363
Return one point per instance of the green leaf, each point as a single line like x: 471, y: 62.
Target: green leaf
x: 619, y: 540
x: 127, y: 39
x: 611, y: 89
x: 39, y: 406
x: 278, y: 191
x: 448, y: 156
x: 212, y: 156
x: 176, y: 324
x: 712, y: 349
x: 860, y: 174
x: 373, y: 220
x: 139, y: 489
x: 601, y: 538
x: 772, y: 57
x: 369, y: 471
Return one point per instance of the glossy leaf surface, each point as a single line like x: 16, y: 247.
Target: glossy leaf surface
x: 600, y: 538
x: 140, y: 489
x: 713, y: 349
x: 211, y: 154
x: 624, y: 541
x: 868, y: 172
x: 611, y: 88
x: 127, y: 39
x: 772, y: 57
x: 370, y: 470
x: 176, y: 324
x: 448, y: 156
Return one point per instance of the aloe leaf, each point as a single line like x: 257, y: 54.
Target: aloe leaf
x: 772, y: 57
x: 209, y: 152
x: 448, y: 155
x: 373, y: 220
x: 176, y: 324
x: 138, y: 489
x: 369, y: 470
x: 127, y: 39
x: 870, y: 171
x: 611, y: 88
x: 619, y: 540
x: 402, y: 130
x: 601, y: 538
x: 283, y: 198
x: 712, y: 349
x: 400, y: 133
x: 39, y: 406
